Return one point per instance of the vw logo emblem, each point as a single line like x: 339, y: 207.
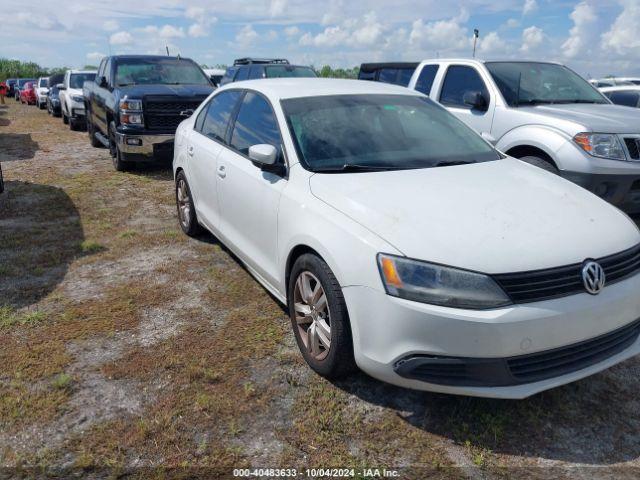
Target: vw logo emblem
x: 593, y: 277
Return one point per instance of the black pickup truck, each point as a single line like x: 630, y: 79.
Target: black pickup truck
x: 136, y: 103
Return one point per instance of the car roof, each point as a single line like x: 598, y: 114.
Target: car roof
x: 369, y: 67
x: 283, y: 88
x: 480, y: 60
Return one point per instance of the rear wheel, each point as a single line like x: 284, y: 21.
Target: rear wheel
x: 186, y: 211
x: 541, y: 163
x: 319, y: 317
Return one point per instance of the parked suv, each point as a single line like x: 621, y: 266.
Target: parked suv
x: 544, y: 114
x: 42, y: 90
x: 138, y: 101
x: 71, y: 99
x: 11, y: 82
x: 397, y: 73
x: 254, y: 68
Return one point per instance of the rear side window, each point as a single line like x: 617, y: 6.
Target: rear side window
x: 255, y: 72
x: 213, y: 120
x: 629, y: 99
x: 255, y: 124
x: 388, y: 75
x: 243, y: 74
x: 459, y: 80
x: 228, y: 75
x: 426, y: 78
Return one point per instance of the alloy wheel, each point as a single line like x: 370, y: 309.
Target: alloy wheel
x: 312, y: 315
x: 184, y: 204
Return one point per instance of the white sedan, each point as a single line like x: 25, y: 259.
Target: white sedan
x: 404, y: 244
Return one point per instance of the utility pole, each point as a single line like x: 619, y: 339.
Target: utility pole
x: 167, y: 47
x: 476, y: 34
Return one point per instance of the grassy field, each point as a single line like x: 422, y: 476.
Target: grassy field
x: 125, y: 345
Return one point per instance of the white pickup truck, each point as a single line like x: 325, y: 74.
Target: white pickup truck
x: 71, y: 97
x: 544, y: 114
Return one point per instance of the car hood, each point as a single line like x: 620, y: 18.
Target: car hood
x: 139, y: 91
x: 601, y: 118
x: 494, y: 217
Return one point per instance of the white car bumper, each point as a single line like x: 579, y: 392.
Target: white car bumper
x: 389, y: 330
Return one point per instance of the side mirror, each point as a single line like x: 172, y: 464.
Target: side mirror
x: 61, y: 86
x: 102, y: 82
x: 263, y: 154
x: 475, y: 100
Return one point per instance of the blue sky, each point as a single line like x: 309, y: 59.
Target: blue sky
x: 594, y: 37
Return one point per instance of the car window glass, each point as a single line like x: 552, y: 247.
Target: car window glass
x: 459, y: 80
x: 629, y: 99
x: 107, y: 72
x: 228, y: 75
x: 255, y: 125
x: 101, y: 68
x: 404, y: 76
x: 426, y: 78
x: 255, y: 72
x: 218, y: 113
x: 243, y: 74
x: 388, y: 75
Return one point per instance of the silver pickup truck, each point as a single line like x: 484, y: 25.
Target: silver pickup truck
x: 544, y: 114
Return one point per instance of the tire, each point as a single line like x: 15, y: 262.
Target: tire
x: 118, y: 162
x: 337, y: 360
x: 65, y: 119
x: 72, y: 124
x: 187, y: 217
x: 541, y: 163
x: 41, y: 106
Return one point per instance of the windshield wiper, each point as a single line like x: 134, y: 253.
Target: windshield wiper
x: 450, y: 163
x: 535, y: 101
x: 126, y: 84
x: 354, y: 167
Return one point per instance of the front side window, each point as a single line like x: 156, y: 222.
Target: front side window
x: 531, y: 83
x: 76, y: 80
x: 426, y: 78
x: 459, y: 80
x: 255, y: 125
x: 394, y: 132
x: 169, y: 71
x: 214, y: 119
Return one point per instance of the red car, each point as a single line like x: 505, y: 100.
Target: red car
x: 28, y: 94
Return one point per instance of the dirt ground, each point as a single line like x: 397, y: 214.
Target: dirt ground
x: 127, y: 347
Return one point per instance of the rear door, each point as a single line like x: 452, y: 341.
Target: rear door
x: 204, y: 144
x: 458, y: 80
x: 249, y: 197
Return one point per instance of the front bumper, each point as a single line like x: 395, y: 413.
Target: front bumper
x: 389, y: 330
x: 145, y: 145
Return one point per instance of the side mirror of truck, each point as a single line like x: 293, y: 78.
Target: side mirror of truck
x: 102, y: 82
x: 61, y: 86
x: 476, y: 100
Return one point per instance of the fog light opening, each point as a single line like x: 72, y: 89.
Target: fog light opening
x: 137, y: 142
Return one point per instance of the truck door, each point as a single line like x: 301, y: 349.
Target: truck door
x: 458, y: 80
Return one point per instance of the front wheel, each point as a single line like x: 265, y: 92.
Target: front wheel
x: 65, y: 119
x: 116, y: 155
x: 541, y: 163
x: 319, y: 318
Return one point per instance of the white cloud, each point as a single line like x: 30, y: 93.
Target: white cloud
x: 120, y: 38
x: 277, y: 7
x: 624, y: 36
x: 203, y: 21
x: 95, y: 56
x: 492, y: 44
x: 292, y: 31
x: 442, y: 35
x: 246, y: 36
x: 583, y: 16
x: 532, y: 37
x: 512, y: 23
x: 110, y: 25
x: 529, y: 6
x: 169, y: 31
x: 197, y: 30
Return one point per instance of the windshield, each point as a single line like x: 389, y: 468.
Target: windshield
x: 77, y: 79
x: 168, y: 71
x: 527, y: 83
x: 280, y: 71
x: 43, y: 83
x: 360, y: 132
x: 23, y: 81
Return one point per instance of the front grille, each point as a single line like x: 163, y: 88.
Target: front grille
x: 633, y: 147
x: 538, y: 285
x: 163, y: 113
x: 560, y: 361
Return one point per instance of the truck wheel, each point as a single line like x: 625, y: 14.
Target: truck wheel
x: 65, y: 119
x: 541, y: 163
x: 72, y: 124
x: 118, y: 163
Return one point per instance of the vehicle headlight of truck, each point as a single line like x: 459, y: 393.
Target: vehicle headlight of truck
x: 131, y: 112
x: 602, y: 145
x: 439, y: 285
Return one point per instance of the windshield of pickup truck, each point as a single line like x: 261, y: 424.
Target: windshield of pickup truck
x: 368, y: 132
x: 76, y: 80
x: 530, y: 83
x: 168, y: 71
x: 281, y: 71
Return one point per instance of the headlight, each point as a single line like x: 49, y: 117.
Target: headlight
x: 77, y: 98
x: 439, y: 285
x: 131, y: 119
x: 603, y: 145
x: 128, y: 104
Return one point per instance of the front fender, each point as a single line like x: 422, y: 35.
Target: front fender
x: 542, y: 137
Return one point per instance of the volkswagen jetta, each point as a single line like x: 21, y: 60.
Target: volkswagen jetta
x: 406, y: 245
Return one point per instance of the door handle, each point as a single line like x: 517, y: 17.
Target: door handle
x: 222, y: 172
x: 190, y: 150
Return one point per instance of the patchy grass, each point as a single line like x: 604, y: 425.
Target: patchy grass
x: 90, y: 246
x: 62, y: 381
x: 9, y: 317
